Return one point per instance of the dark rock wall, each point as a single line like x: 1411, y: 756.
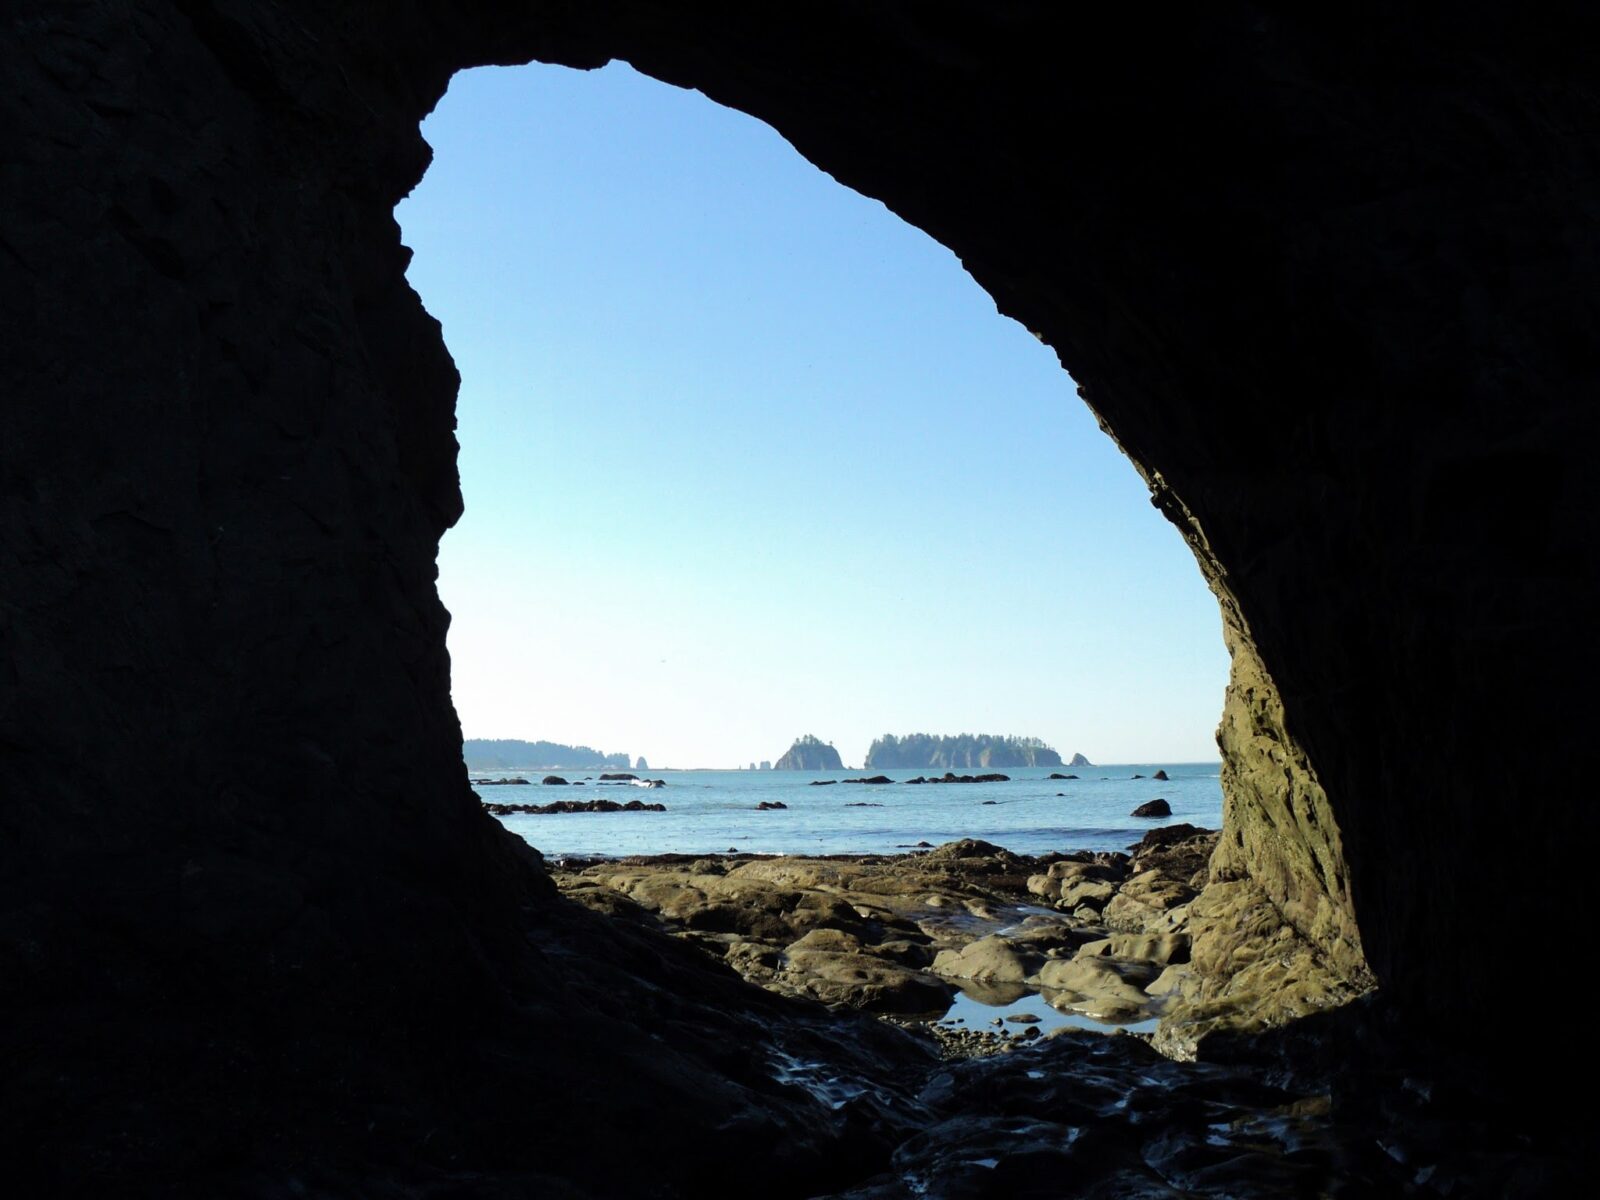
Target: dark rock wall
x: 1330, y: 282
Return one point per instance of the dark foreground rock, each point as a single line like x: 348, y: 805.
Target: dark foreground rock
x: 1010, y: 1113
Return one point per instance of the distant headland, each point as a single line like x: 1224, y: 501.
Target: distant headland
x: 923, y: 750
x: 499, y: 754
x: 810, y: 754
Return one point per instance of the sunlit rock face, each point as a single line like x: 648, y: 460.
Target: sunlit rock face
x: 1330, y: 283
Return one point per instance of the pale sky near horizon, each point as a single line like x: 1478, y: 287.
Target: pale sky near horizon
x: 745, y: 457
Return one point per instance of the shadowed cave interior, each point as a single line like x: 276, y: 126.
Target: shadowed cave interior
x: 1328, y: 282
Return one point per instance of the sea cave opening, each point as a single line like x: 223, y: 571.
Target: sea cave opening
x: 746, y: 457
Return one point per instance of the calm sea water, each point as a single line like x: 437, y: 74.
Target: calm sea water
x: 710, y: 812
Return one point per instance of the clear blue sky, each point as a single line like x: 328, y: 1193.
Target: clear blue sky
x: 745, y: 456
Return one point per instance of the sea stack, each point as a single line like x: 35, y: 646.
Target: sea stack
x: 810, y: 753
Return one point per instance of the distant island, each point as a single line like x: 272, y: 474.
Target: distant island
x: 1079, y: 760
x: 923, y: 750
x: 499, y: 754
x: 810, y: 754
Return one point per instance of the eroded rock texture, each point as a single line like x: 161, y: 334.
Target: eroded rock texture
x: 1329, y: 279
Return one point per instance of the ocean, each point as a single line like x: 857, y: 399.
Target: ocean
x: 712, y: 812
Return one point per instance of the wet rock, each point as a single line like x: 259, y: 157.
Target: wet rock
x: 770, y: 805
x: 552, y: 779
x: 1094, y: 893
x: 1172, y: 979
x: 1146, y: 902
x: 1106, y: 988
x: 989, y: 959
x: 1162, y: 776
x: 870, y: 779
x: 1162, y: 948
x: 862, y: 981
x: 974, y: 848
x: 1065, y: 874
x: 823, y: 782
x: 618, y: 776
x: 1153, y: 808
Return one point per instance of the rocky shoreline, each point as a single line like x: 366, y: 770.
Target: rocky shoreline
x: 1101, y: 936
x: 1007, y: 1108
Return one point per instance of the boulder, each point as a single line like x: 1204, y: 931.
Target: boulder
x: 1145, y: 903
x: 1153, y: 808
x: 553, y: 779
x: 1099, y: 987
x: 1095, y: 893
x: 862, y: 981
x: 990, y: 960
x: 1162, y: 948
x: 1162, y: 775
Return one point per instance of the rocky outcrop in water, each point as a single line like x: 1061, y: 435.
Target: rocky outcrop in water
x: 573, y: 806
x: 810, y: 754
x: 921, y: 750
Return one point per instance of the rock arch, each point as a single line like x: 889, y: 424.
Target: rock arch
x: 1330, y: 283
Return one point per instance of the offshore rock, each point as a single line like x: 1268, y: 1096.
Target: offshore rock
x: 810, y: 753
x: 573, y: 806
